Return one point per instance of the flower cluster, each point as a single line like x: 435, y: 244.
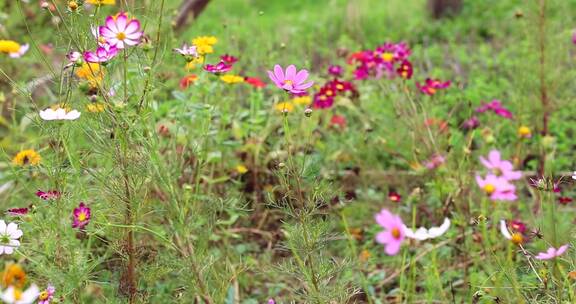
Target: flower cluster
x: 497, y: 184
x: 389, y: 59
x: 13, y: 278
x: 327, y: 94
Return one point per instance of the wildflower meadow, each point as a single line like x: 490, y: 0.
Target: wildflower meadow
x: 276, y: 151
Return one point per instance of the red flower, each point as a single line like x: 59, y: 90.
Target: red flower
x: 229, y: 59
x: 565, y: 200
x: 255, y: 82
x: 405, y: 70
x: 17, y: 211
x: 395, y: 197
x: 186, y: 81
x: 338, y: 121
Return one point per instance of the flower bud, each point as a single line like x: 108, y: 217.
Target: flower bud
x: 308, y: 112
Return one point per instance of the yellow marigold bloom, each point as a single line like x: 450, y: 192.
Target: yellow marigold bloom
x: 204, y: 49
x: 95, y: 107
x: 91, y: 72
x: 524, y: 132
x: 27, y: 157
x: 101, y: 2
x: 204, y: 40
x: 284, y: 107
x: 231, y: 78
x: 13, y: 275
x: 241, y: 169
x: 9, y: 46
x: 303, y: 100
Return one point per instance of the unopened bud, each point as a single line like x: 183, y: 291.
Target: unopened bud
x: 308, y: 112
x: 73, y: 5
x: 44, y: 5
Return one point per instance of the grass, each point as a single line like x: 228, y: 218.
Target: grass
x: 176, y: 218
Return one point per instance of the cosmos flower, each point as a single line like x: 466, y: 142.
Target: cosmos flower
x: 255, y: 82
x: 81, y: 216
x: 422, y: 233
x: 335, y: 70
x: 394, y: 196
x: 291, y: 81
x: 17, y: 211
x: 27, y: 157
x: 322, y: 101
x: 574, y: 175
x: 471, y: 123
x: 91, y: 72
x: 121, y: 32
x: 13, y: 48
x: 431, y: 86
x: 228, y: 59
x: 189, y: 52
x: 9, y: 235
x: 496, y: 107
x: 219, y: 68
x: 435, y: 161
x: 46, y: 296
x: 497, y: 187
x: 564, y: 200
x: 103, y: 54
x: 552, y: 252
x: 205, y: 44
x: 15, y: 296
x: 405, y: 70
x: 393, y: 233
x: 48, y: 195
x: 59, y: 114
x: 516, y: 237
x: 500, y: 167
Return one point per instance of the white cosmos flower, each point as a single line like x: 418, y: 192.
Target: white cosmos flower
x: 59, y: 114
x: 9, y: 235
x: 504, y: 230
x: 15, y: 296
x: 422, y: 233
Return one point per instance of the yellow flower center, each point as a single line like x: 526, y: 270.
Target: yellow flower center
x: 43, y: 296
x: 524, y: 131
x: 329, y: 93
x: 396, y: 233
x: 289, y: 82
x: 517, y: 238
x: 82, y: 216
x: 388, y: 57
x: 17, y: 294
x: 339, y: 87
x: 121, y: 36
x: 489, y: 188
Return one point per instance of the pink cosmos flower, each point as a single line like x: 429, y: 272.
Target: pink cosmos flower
x: 187, y: 51
x: 496, y: 107
x: 17, y: 211
x: 471, y: 123
x: 500, y: 167
x: 48, y: 195
x: 221, y: 67
x: 73, y: 57
x: 435, y: 161
x: 497, y: 187
x: 46, y: 296
x: 120, y: 31
x: 552, y: 253
x: 102, y: 54
x: 393, y: 233
x: 228, y: 59
x: 431, y: 86
x: 335, y: 70
x: 81, y: 216
x: 291, y: 81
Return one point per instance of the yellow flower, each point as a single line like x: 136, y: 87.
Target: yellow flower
x: 524, y: 132
x: 91, y: 72
x: 13, y: 275
x: 241, y: 169
x: 192, y: 64
x: 9, y: 46
x: 284, y: 107
x: 303, y: 100
x: 231, y: 78
x: 101, y: 2
x: 95, y: 107
x: 204, y: 49
x: 27, y: 157
x: 204, y: 44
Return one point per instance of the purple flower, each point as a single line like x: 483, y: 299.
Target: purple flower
x: 17, y: 211
x: 552, y: 253
x: 471, y: 123
x: 102, y: 54
x: 497, y: 187
x: 219, y: 68
x: 48, y: 195
x: 271, y: 301
x: 81, y: 216
x: 393, y: 233
x: 291, y: 81
x: 496, y: 107
x: 229, y: 59
x: 500, y: 167
x: 435, y: 161
x: 335, y: 70
x: 46, y: 296
x: 120, y: 31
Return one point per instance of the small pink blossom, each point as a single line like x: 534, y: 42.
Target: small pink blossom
x: 393, y: 233
x: 228, y: 59
x: 552, y: 253
x: 471, y: 123
x: 291, y: 81
x: 435, y: 161
x: 187, y: 51
x: 497, y: 187
x: 81, y: 216
x: 221, y: 67
x: 120, y: 31
x: 17, y: 211
x: 496, y: 107
x: 103, y: 54
x: 431, y: 86
x: 500, y: 167
x: 48, y: 195
x: 335, y: 70
x: 46, y: 296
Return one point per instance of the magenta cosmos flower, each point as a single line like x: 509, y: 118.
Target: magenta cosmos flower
x: 291, y: 81
x: 47, y: 295
x: 500, y: 167
x: 496, y: 107
x: 102, y: 54
x: 81, y: 216
x: 48, y: 195
x: 431, y: 86
x: 221, y: 67
x: 120, y: 31
x: 552, y: 253
x: 393, y: 233
x: 497, y: 187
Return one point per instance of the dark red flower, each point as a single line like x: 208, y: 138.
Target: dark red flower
x: 17, y: 211
x: 518, y: 226
x: 395, y: 197
x: 431, y: 86
x: 338, y: 121
x: 48, y: 195
x: 405, y: 70
x: 335, y: 70
x: 255, y: 82
x: 228, y: 59
x: 564, y: 200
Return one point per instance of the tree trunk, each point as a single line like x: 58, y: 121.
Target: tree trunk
x: 189, y: 7
x: 443, y: 8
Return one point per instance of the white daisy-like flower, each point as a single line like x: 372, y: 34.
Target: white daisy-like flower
x: 422, y: 233
x: 59, y: 114
x: 15, y: 296
x: 9, y: 235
